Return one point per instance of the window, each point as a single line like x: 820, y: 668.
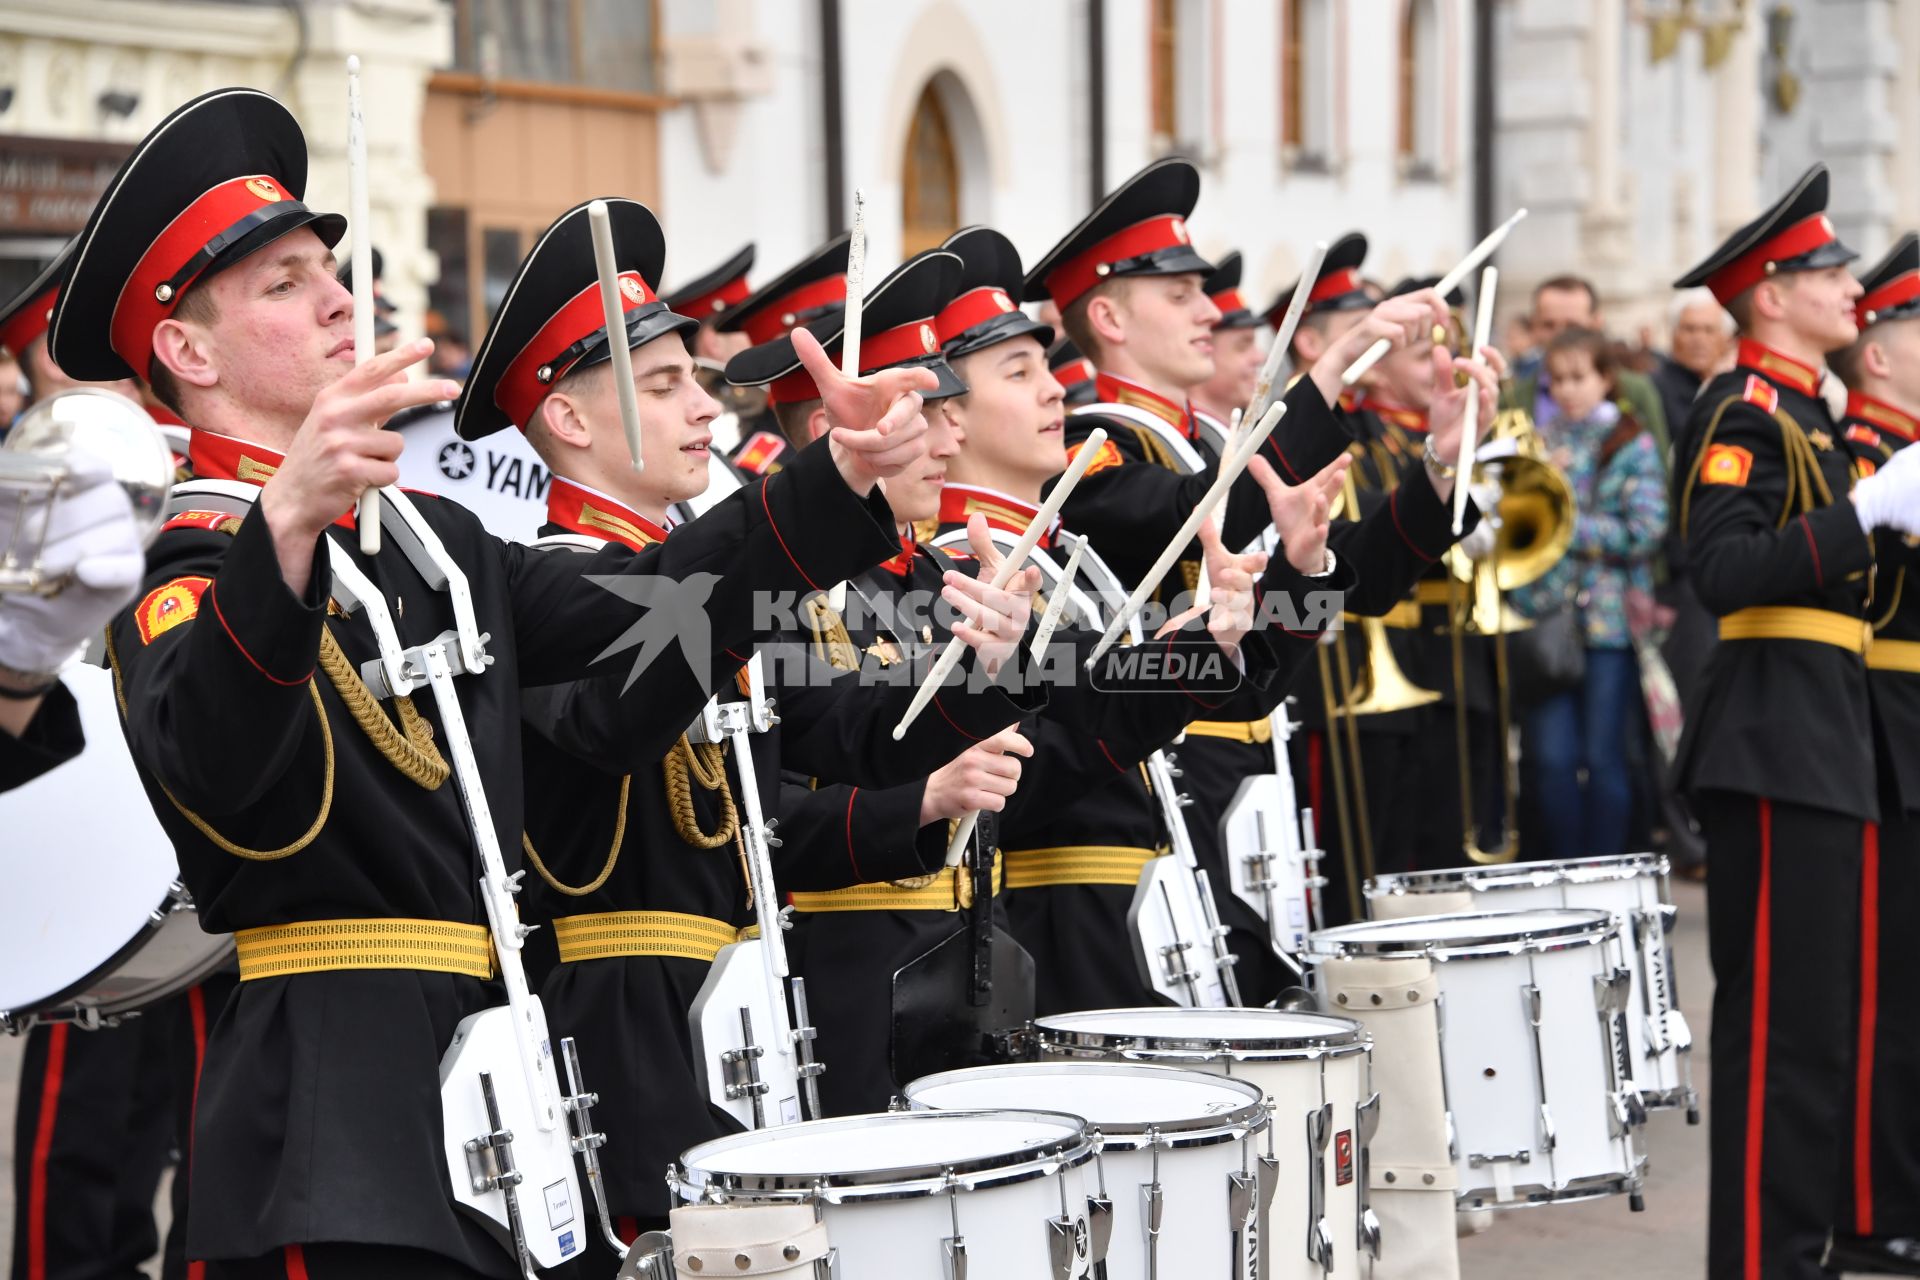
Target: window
x: 931, y: 195
x: 500, y: 256
x: 450, y: 298
x: 1306, y: 83
x: 598, y: 44
x: 1293, y: 105
x: 1164, y: 69
x: 1420, y: 107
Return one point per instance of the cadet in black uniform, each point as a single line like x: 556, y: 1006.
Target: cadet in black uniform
x: 1878, y: 1227
x: 1073, y: 371
x: 634, y: 854
x: 300, y: 808
x: 806, y: 291
x: 1236, y: 348
x: 1779, y: 749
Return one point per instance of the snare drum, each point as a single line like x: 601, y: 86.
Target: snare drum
x: 1531, y: 1004
x: 918, y: 1193
x: 1176, y: 1179
x: 1314, y: 1071
x: 1634, y: 889
x: 95, y: 923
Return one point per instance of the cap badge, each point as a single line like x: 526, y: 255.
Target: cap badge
x: 1180, y: 230
x: 929, y: 341
x: 632, y: 289
x: 1001, y: 300
x: 264, y: 189
x: 1826, y: 225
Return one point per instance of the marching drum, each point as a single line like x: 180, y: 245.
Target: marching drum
x: 1177, y: 1176
x: 1634, y: 889
x: 95, y: 923
x: 1531, y: 1005
x: 1314, y: 1071
x: 918, y: 1193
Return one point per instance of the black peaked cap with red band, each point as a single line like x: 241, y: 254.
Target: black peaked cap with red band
x: 1223, y: 286
x: 1074, y: 372
x: 26, y: 314
x: 805, y: 291
x: 552, y: 322
x: 712, y: 295
x: 1337, y: 287
x: 1794, y: 235
x: 1892, y: 286
x: 1140, y: 229
x: 896, y: 329
x: 1413, y: 284
x: 219, y: 179
x: 983, y: 311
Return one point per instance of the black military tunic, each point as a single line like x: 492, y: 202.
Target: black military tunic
x: 318, y: 1115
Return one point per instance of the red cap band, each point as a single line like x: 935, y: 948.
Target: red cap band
x: 709, y: 305
x: 1750, y: 268
x: 877, y: 351
x: 139, y: 309
x: 975, y: 306
x: 1229, y: 301
x: 1074, y: 372
x: 1082, y: 272
x: 1903, y: 288
x: 28, y: 323
x: 521, y: 388
x: 778, y: 317
x: 1333, y: 285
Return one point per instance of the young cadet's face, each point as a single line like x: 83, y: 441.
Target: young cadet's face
x: 282, y: 329
x: 914, y: 494
x: 1169, y: 325
x: 1236, y: 367
x: 675, y: 419
x: 1901, y: 339
x: 1818, y: 306
x: 1404, y: 377
x: 1012, y: 419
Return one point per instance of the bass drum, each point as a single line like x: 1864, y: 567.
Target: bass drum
x: 95, y: 923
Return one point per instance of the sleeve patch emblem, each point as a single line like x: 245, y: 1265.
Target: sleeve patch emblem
x: 210, y: 520
x: 1862, y: 434
x: 760, y: 452
x: 168, y: 606
x: 1864, y: 467
x: 1108, y: 456
x: 1726, y: 464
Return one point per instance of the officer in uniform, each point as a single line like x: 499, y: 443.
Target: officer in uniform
x: 1878, y: 1226
x: 1779, y: 750
x: 808, y: 290
x: 1237, y: 356
x: 1073, y: 371
x: 301, y: 809
x: 708, y: 298
x: 634, y: 851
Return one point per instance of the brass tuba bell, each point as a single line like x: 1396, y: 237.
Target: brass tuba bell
x: 1381, y: 685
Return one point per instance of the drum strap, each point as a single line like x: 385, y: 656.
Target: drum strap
x: 1077, y: 864
x: 610, y: 935
x: 950, y: 889
x: 1233, y: 730
x: 320, y: 946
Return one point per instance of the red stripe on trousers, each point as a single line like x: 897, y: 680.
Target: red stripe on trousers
x: 42, y: 1149
x: 1869, y: 1020
x: 296, y: 1259
x: 197, y: 1011
x: 1757, y: 1053
x: 627, y: 1228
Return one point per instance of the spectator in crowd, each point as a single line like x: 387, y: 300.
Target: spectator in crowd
x: 1569, y: 302
x: 13, y: 390
x: 1702, y: 342
x: 1620, y: 491
x: 450, y: 358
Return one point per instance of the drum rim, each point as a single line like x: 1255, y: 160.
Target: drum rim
x: 1593, y: 928
x: 72, y: 1003
x: 1604, y: 869
x: 1072, y: 1149
x: 1352, y: 1038
x: 1197, y: 1131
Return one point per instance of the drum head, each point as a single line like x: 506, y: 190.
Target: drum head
x: 903, y: 1153
x: 1465, y: 934
x: 1626, y: 866
x: 1114, y: 1097
x: 1189, y: 1033
x: 85, y: 861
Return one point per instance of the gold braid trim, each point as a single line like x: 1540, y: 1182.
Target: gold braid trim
x: 613, y: 853
x: 832, y: 643
x: 204, y: 827
x: 1807, y: 489
x: 1151, y: 445
x: 410, y: 748
x: 705, y: 764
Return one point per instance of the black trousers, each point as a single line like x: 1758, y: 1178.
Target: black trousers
x: 1881, y: 1187
x: 345, y: 1262
x: 1783, y: 921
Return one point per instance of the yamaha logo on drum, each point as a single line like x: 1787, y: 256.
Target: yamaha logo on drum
x: 456, y: 460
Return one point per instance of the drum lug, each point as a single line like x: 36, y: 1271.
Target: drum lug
x: 1268, y: 1167
x: 1612, y: 992
x: 1066, y: 1244
x: 1319, y: 1134
x: 1366, y: 1122
x: 1099, y: 1226
x: 954, y: 1247
x: 1242, y: 1194
x: 741, y: 1068
x: 1546, y: 1128
x: 809, y: 1068
x: 1153, y: 1205
x: 1370, y: 1232
x: 649, y: 1257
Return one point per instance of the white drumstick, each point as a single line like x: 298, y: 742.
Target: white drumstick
x: 1283, y: 336
x: 1448, y: 283
x: 1470, y: 417
x: 1230, y: 469
x: 367, y: 518
x: 943, y: 665
x: 856, y: 287
x: 616, y: 317
x: 1203, y: 589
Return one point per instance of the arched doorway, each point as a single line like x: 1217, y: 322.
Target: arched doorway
x: 930, y: 176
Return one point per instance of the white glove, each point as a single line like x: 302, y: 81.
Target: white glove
x: 91, y: 536
x: 1890, y: 497
x: 1477, y: 542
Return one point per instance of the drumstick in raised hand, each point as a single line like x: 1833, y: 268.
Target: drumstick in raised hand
x: 367, y: 518
x: 1448, y: 283
x: 856, y: 287
x: 616, y: 317
x: 1283, y: 336
x: 1470, y: 413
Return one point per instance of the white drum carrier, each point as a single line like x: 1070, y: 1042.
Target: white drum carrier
x: 996, y: 1194
x: 1531, y: 1023
x: 1177, y: 1175
x: 1315, y: 1073
x: 1634, y: 888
